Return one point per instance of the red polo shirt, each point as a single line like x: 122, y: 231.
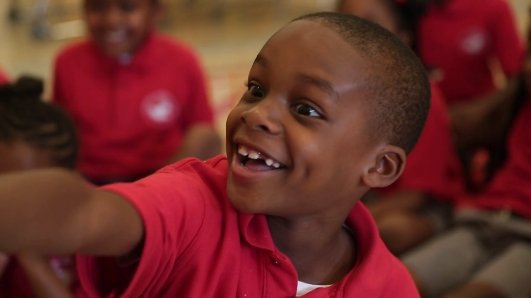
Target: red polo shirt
x: 461, y: 37
x: 130, y: 116
x: 197, y: 245
x: 433, y: 166
x: 510, y: 189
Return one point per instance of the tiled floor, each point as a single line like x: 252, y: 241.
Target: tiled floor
x: 226, y: 33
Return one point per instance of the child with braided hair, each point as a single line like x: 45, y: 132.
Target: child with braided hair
x: 34, y: 134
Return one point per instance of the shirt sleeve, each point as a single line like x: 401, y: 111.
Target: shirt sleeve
x: 172, y: 211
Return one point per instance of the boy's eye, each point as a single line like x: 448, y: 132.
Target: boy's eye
x: 255, y: 89
x: 306, y: 110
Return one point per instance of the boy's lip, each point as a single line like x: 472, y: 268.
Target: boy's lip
x: 247, y: 152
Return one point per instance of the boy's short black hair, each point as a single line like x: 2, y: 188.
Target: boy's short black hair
x: 397, y: 79
x: 25, y: 117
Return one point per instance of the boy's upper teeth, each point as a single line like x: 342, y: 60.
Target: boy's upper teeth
x: 252, y: 154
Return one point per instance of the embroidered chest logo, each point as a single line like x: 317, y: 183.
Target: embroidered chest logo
x: 474, y: 42
x: 160, y: 107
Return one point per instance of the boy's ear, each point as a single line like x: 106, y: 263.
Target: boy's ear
x: 387, y: 168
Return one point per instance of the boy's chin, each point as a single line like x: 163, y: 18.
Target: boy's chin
x: 243, y: 204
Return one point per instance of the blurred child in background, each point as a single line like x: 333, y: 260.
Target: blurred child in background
x: 34, y: 134
x: 488, y: 251
x: 419, y: 204
x: 138, y: 99
x: 468, y: 44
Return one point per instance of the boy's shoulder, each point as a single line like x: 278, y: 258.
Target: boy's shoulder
x: 216, y: 164
x: 188, y: 180
x: 211, y: 173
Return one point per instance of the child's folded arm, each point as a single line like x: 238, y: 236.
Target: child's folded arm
x: 54, y: 211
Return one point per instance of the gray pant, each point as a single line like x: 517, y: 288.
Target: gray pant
x: 478, y: 251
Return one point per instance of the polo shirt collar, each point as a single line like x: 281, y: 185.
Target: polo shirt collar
x: 255, y: 231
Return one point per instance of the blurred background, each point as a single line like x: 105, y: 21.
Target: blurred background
x: 227, y: 34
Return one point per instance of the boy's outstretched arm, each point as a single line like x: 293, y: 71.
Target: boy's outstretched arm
x: 54, y: 211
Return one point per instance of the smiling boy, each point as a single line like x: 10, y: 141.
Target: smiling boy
x: 333, y: 105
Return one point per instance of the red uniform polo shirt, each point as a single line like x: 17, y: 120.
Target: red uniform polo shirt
x: 510, y: 189
x: 461, y: 37
x: 197, y: 245
x: 130, y: 116
x: 433, y: 166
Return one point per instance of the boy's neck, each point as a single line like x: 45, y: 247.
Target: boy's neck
x: 321, y: 253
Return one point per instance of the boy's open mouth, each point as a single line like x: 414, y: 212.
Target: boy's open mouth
x: 251, y: 158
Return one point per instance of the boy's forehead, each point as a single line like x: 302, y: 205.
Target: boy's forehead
x: 316, y: 44
x: 311, y: 52
x: 303, y: 27
x: 311, y: 35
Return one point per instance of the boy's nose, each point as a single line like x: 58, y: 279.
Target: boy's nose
x: 264, y: 116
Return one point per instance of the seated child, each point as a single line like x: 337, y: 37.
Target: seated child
x: 138, y: 99
x: 470, y: 43
x: 488, y: 252
x: 419, y: 204
x: 333, y: 105
x: 34, y: 134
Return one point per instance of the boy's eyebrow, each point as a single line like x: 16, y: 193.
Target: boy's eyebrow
x: 319, y: 83
x: 324, y: 85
